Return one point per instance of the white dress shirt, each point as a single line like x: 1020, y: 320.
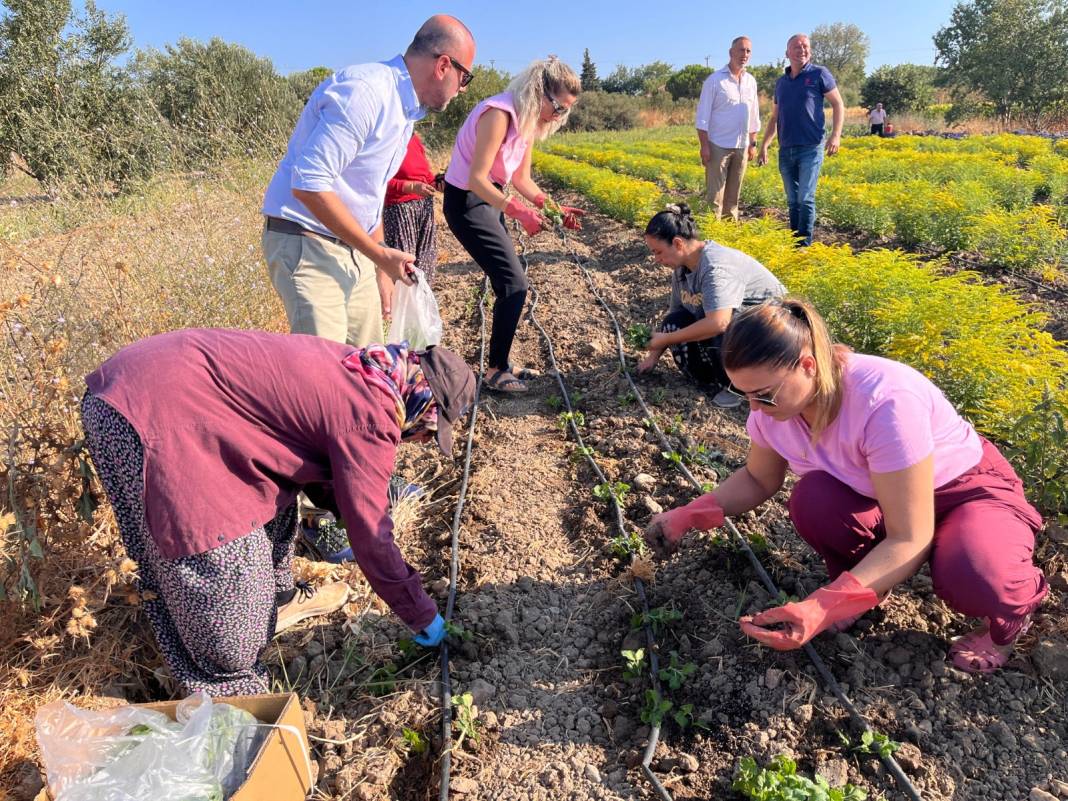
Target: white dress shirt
x: 729, y: 109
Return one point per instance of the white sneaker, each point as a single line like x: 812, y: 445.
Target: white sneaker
x: 726, y: 399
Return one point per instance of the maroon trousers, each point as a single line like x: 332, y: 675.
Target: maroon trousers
x: 983, y: 541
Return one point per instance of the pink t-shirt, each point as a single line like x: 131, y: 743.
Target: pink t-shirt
x: 509, y: 157
x: 892, y: 417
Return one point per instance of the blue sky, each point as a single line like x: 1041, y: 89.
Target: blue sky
x: 296, y: 36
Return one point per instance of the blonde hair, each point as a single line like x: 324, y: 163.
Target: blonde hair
x: 776, y: 334
x: 529, y: 87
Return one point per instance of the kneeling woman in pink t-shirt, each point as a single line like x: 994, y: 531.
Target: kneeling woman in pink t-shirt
x: 891, y: 477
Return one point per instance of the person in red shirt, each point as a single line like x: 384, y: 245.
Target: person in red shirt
x: 408, y: 218
x: 202, y: 441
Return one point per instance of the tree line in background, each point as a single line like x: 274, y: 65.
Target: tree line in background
x: 80, y: 108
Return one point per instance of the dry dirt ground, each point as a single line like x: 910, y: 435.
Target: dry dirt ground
x: 546, y: 609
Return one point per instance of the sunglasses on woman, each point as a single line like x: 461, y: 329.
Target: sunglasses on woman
x: 763, y: 398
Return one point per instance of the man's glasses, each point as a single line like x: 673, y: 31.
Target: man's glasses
x: 763, y: 398
x: 466, y: 76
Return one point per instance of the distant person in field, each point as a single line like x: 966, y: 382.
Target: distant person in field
x: 891, y: 478
x: 709, y: 284
x: 408, y: 218
x: 493, y: 149
x: 202, y: 440
x: 798, y: 121
x: 323, y: 238
x: 877, y: 118
x: 728, y: 119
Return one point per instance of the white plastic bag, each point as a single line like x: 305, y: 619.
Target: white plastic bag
x: 415, y: 314
x: 132, y: 754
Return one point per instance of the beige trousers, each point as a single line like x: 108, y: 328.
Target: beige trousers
x: 723, y: 175
x: 328, y: 290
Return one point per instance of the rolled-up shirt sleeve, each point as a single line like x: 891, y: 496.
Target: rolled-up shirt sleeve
x: 754, y: 108
x: 704, y: 105
x: 343, y: 127
x: 361, y: 462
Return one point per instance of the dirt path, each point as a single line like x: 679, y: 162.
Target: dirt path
x: 548, y: 609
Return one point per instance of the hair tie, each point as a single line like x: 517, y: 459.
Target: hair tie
x: 673, y: 208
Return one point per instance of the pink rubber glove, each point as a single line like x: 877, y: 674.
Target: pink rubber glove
x: 531, y: 220
x: 665, y: 530
x: 539, y: 200
x: 843, y: 598
x: 571, y: 217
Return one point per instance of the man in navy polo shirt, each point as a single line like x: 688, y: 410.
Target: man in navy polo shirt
x: 797, y: 119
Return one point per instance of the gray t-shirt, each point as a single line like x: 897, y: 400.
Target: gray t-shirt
x: 725, y: 278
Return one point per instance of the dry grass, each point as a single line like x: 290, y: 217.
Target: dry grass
x: 78, y: 281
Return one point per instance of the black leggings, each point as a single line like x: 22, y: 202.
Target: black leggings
x: 480, y: 229
x: 699, y: 361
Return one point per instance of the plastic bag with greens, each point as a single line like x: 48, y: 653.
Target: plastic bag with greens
x: 129, y: 754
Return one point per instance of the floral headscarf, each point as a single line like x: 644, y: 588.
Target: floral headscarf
x: 396, y: 371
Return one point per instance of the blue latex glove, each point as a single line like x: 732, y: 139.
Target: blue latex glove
x: 433, y: 634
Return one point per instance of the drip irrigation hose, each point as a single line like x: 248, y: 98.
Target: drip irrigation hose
x: 620, y: 522
x: 454, y: 560
x: 858, y: 720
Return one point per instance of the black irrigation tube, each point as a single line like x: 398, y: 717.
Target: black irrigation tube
x: 984, y: 268
x: 639, y: 585
x: 454, y: 561
x: 858, y: 720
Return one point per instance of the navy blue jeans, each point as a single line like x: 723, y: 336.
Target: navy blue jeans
x: 799, y: 167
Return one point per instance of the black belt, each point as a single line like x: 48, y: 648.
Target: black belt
x: 281, y: 226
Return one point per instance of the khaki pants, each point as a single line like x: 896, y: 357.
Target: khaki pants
x: 328, y: 290
x: 723, y: 174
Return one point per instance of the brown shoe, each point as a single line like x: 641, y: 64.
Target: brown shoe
x: 307, y: 602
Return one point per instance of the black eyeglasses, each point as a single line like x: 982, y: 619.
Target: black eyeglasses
x: 466, y: 76
x: 764, y: 398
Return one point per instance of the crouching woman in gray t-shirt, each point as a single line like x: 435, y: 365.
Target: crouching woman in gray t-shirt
x: 709, y: 282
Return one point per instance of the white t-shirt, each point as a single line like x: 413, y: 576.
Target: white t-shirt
x: 877, y: 116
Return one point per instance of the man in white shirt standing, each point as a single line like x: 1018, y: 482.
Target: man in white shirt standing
x: 728, y: 119
x: 323, y: 234
x: 877, y: 118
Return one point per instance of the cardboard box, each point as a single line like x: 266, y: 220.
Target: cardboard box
x: 280, y: 771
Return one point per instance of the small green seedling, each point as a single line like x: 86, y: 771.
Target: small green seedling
x: 656, y: 706
x: 383, y: 681
x: 612, y: 491
x: 552, y: 210
x: 675, y: 674
x: 675, y: 426
x: 634, y: 664
x: 416, y: 742
x: 656, y: 618
x: 657, y: 395
x: 638, y: 336
x: 457, y: 631
x: 581, y: 453
x: 564, y: 418
x: 624, y: 546
x: 874, y: 742
x: 780, y: 781
x: 672, y: 456
x: 783, y: 598
x: 554, y: 402
x: 627, y: 398
x: 466, y: 718
x: 683, y: 716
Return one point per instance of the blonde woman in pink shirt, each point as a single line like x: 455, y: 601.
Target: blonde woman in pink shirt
x: 493, y: 149
x: 891, y: 477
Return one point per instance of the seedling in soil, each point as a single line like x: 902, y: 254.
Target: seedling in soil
x: 627, y: 399
x: 683, y: 715
x: 656, y: 618
x: 638, y: 336
x: 655, y: 708
x: 466, y: 718
x: 672, y: 456
x: 578, y: 418
x: 675, y: 674
x: 657, y: 395
x: 581, y: 452
x: 416, y: 742
x: 634, y: 664
x: 624, y: 546
x: 612, y: 490
x: 874, y: 742
x: 780, y: 781
x: 457, y: 631
x: 675, y: 426
x: 783, y: 598
x: 554, y: 401
x: 383, y: 681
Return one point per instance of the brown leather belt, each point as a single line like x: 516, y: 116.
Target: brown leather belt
x: 281, y: 226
